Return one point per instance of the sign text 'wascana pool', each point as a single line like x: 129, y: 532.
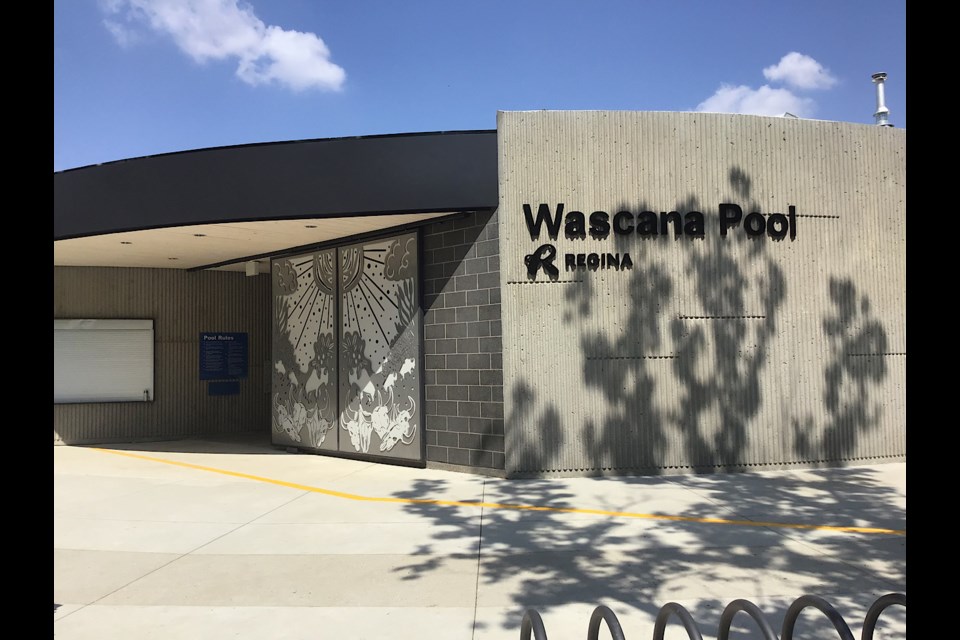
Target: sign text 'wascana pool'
x: 645, y: 224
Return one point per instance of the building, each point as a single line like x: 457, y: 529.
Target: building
x: 574, y: 293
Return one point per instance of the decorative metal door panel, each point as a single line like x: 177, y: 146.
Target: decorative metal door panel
x: 305, y: 351
x: 380, y: 348
x: 346, y: 350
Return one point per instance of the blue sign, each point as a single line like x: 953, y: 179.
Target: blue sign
x: 223, y: 388
x: 223, y: 356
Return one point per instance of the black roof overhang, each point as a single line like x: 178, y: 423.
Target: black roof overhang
x: 337, y: 177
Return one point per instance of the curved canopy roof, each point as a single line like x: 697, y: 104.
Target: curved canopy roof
x: 262, y: 198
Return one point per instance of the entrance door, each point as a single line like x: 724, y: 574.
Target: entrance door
x: 346, y: 350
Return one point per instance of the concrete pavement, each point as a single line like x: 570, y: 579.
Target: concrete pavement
x: 236, y: 539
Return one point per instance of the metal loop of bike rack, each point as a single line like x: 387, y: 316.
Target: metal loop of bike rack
x: 604, y: 614
x: 726, y: 619
x: 870, y: 622
x: 693, y: 631
x: 533, y: 623
x: 817, y: 602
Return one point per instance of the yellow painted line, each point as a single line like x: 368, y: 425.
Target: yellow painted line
x: 515, y: 507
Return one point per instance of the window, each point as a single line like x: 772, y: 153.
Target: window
x: 102, y: 361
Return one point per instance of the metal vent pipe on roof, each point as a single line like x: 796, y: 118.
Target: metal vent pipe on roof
x: 882, y: 115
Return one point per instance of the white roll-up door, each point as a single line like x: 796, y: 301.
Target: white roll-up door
x: 102, y: 361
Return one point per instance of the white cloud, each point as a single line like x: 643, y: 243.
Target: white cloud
x: 765, y: 101
x: 800, y: 71
x: 224, y: 29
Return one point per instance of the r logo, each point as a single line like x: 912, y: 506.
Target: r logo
x: 542, y: 257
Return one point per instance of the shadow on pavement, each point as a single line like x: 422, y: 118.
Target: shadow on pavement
x: 546, y: 559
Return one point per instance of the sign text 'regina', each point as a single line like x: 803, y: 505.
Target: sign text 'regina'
x: 648, y: 223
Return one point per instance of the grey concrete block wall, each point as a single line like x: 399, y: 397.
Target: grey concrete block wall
x: 462, y: 346
x: 182, y: 305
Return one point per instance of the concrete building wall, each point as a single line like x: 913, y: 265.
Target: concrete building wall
x: 710, y: 352
x: 182, y: 305
x: 462, y: 342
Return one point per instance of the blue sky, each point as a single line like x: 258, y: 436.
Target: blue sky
x: 141, y: 77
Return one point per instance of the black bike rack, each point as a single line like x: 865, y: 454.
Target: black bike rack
x: 532, y: 625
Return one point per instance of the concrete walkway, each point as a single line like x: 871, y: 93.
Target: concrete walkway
x: 235, y: 539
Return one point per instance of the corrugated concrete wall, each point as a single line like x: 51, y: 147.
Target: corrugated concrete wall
x: 182, y: 305
x: 463, y: 372
x: 709, y: 352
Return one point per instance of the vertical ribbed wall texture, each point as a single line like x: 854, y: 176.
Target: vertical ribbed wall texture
x: 182, y: 305
x: 463, y: 371
x: 710, y: 353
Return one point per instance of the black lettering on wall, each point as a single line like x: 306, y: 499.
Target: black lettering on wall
x: 777, y: 226
x: 623, y: 223
x: 647, y: 224
x: 730, y: 215
x: 755, y: 224
x: 599, y: 224
x: 543, y: 215
x: 576, y: 225
x: 666, y: 218
x: 693, y: 224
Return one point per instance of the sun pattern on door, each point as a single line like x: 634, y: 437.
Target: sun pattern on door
x: 304, y: 351
x: 346, y: 349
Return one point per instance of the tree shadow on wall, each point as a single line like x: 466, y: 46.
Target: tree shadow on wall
x: 722, y: 350
x: 623, y: 369
x: 548, y: 427
x: 681, y: 392
x: 858, y: 349
x: 690, y: 381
